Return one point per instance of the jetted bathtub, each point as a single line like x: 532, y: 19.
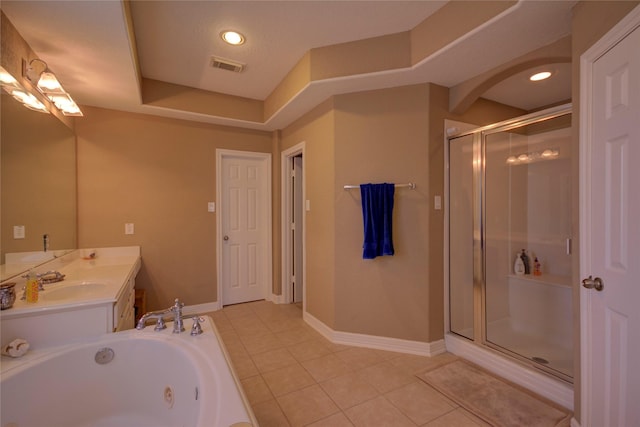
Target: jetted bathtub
x: 132, y: 378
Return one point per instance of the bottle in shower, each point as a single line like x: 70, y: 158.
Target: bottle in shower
x: 518, y: 265
x: 525, y: 261
x: 536, y: 267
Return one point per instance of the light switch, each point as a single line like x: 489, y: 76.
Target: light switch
x: 308, y: 205
x: 18, y: 231
x: 437, y: 203
x: 211, y: 207
x: 128, y: 228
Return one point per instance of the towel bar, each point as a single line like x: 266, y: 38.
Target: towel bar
x: 411, y: 185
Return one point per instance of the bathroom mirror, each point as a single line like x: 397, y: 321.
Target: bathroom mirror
x: 38, y: 180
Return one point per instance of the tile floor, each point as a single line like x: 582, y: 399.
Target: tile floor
x: 293, y: 376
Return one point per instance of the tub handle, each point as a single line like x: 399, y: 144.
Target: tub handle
x: 160, y: 325
x: 196, y: 329
x: 591, y: 283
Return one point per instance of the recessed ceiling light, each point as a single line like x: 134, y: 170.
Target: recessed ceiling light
x: 232, y: 37
x: 540, y: 76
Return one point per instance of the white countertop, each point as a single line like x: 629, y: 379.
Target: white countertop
x: 87, y: 282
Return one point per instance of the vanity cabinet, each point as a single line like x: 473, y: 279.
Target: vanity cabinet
x: 123, y: 310
x: 106, y: 304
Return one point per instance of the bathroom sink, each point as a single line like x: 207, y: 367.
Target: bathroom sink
x: 79, y: 291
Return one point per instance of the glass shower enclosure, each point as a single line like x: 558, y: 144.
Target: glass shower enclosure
x: 509, y: 205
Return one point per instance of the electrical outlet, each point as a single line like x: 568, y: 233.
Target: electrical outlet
x: 18, y: 231
x: 128, y: 228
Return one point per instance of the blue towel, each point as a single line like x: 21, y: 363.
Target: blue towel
x: 377, y: 209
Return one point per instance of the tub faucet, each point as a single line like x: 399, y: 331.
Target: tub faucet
x: 158, y: 315
x: 175, y: 312
x: 176, y: 309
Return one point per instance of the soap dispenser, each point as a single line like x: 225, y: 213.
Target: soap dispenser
x: 518, y: 265
x: 31, y: 287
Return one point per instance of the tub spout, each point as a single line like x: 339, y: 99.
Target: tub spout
x: 174, y: 312
x: 158, y: 315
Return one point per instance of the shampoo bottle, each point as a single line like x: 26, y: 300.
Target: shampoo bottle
x: 31, y: 288
x: 536, y: 267
x: 525, y: 261
x: 518, y: 266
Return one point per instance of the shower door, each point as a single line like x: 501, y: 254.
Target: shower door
x: 527, y: 217
x: 510, y: 193
x: 461, y: 232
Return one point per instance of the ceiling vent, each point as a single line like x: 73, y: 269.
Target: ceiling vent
x: 226, y: 64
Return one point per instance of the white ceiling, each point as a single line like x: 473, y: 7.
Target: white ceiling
x: 86, y: 43
x: 176, y: 39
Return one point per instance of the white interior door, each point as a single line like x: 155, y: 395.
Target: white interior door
x: 244, y: 226
x: 610, y: 233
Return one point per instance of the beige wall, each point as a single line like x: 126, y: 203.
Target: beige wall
x: 317, y: 130
x: 382, y: 136
x: 158, y: 174
x: 394, y: 135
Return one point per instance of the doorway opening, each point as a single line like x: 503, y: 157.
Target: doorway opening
x: 293, y: 226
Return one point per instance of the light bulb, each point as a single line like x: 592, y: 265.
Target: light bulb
x: 232, y: 37
x: 540, y: 76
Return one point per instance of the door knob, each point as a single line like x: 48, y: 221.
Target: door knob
x: 225, y: 238
x: 591, y: 283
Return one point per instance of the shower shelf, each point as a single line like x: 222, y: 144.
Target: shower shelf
x: 545, y: 279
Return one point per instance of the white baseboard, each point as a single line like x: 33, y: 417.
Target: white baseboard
x: 372, y: 341
x: 557, y: 391
x: 277, y: 299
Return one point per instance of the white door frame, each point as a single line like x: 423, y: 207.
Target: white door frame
x: 587, y: 60
x: 266, y: 159
x: 286, y: 201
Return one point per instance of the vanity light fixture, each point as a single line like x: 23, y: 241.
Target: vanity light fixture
x: 540, y: 76
x: 12, y: 87
x: 38, y: 73
x: 232, y: 37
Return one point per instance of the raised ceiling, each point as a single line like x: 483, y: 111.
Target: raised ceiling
x: 104, y: 51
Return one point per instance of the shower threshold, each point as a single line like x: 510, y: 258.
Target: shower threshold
x: 534, y: 379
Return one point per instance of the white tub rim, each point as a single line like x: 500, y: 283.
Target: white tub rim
x: 183, y: 343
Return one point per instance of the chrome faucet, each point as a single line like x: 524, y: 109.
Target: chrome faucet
x: 175, y: 312
x: 176, y: 309
x: 50, y: 277
x: 43, y: 279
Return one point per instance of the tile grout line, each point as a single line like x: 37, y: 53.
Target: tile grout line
x: 412, y: 372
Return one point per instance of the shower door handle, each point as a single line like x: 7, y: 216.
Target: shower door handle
x: 591, y: 283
